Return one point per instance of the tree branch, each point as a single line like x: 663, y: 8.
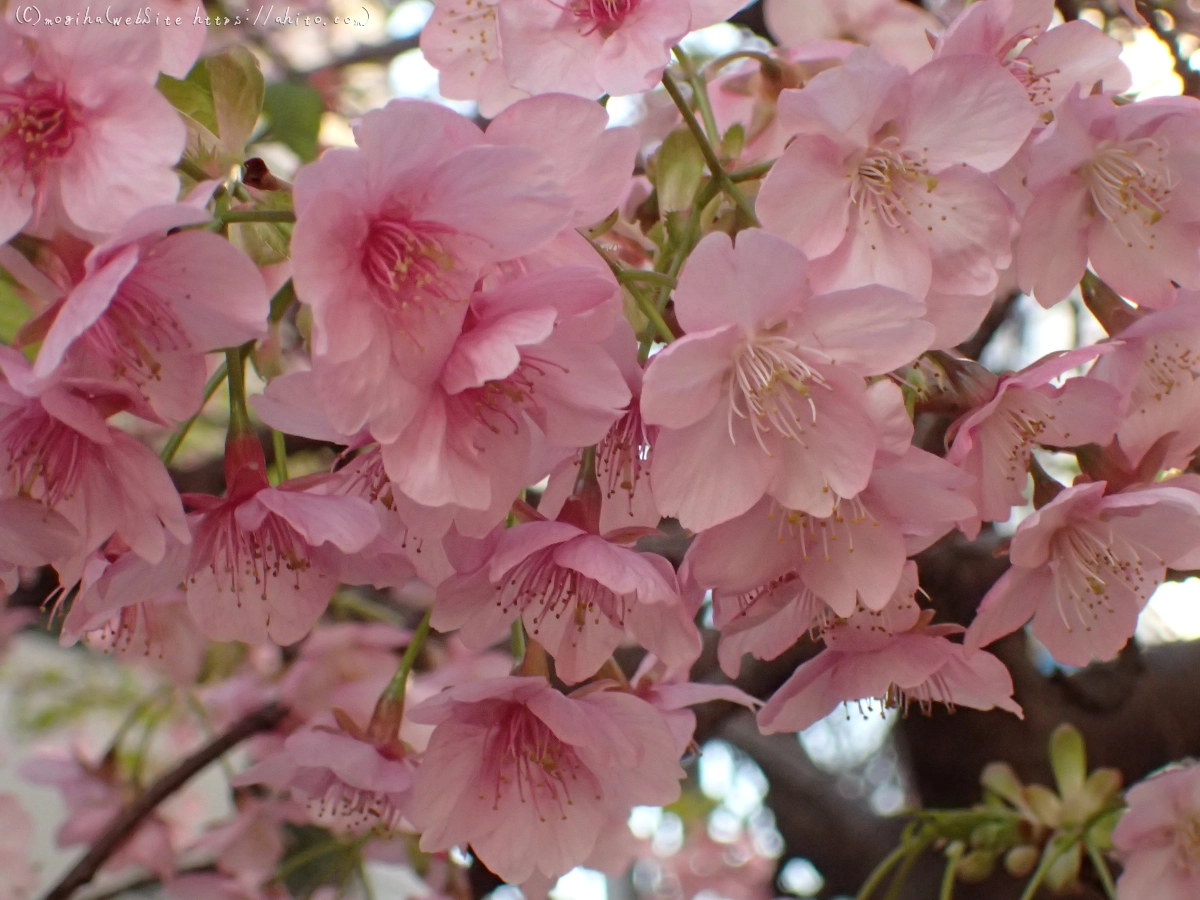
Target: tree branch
x: 127, y: 821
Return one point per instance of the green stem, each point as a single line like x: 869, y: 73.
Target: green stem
x: 239, y: 413
x: 901, y: 876
x: 770, y: 66
x: 1049, y: 858
x: 191, y: 170
x: 304, y: 857
x: 368, y: 609
x: 658, y: 278
x: 710, y: 155
x: 752, y: 173
x: 952, y: 857
x: 518, y: 640
x: 875, y: 879
x: 368, y: 889
x: 282, y: 301
x: 281, y: 470
x: 399, y: 683
x: 257, y: 215
x: 700, y: 93
x: 648, y: 308
x: 175, y: 441
x: 1101, y: 867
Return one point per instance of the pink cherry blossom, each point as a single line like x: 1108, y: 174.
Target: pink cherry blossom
x: 622, y: 456
x: 1050, y: 62
x: 595, y: 47
x: 16, y: 830
x: 94, y: 795
x: 265, y: 561
x: 390, y: 239
x: 1084, y: 566
x: 527, y: 372
x: 31, y: 535
x: 529, y: 777
x: 150, y: 305
x: 897, y: 30
x: 1113, y: 185
x: 1158, y: 836
x: 776, y: 573
x: 1153, y: 366
x: 57, y: 449
x: 668, y: 690
x: 350, y: 779
x: 890, y: 656
x: 994, y: 442
x: 77, y: 114
x: 249, y: 846
x: 885, y: 181
x: 764, y: 394
x: 578, y: 594
x: 462, y: 41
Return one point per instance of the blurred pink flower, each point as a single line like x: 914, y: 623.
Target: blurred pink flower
x: 884, y: 182
x: 529, y: 777
x: 1084, y: 566
x: 1158, y: 837
x: 16, y: 837
x: 765, y: 392
x: 898, y: 31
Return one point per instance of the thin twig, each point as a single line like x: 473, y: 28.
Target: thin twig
x: 127, y: 821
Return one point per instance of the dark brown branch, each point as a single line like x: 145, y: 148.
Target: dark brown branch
x: 127, y: 821
x: 380, y: 53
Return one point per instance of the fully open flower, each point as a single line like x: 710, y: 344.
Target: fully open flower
x: 765, y: 392
x: 390, y: 240
x: 994, y: 443
x: 56, y: 448
x: 1114, y: 185
x: 529, y: 777
x: 150, y: 305
x: 264, y: 560
x: 78, y: 115
x: 1049, y: 62
x: 893, y: 657
x: 350, y: 779
x: 885, y: 181
x: 578, y: 594
x: 1084, y: 566
x: 1159, y: 837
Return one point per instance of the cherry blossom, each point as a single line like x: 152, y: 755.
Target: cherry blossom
x: 1112, y: 185
x: 892, y: 656
x: 1084, y: 566
x: 1157, y: 836
x: 16, y: 826
x: 897, y: 30
x: 77, y: 114
x: 529, y: 777
x: 884, y: 182
x: 764, y: 394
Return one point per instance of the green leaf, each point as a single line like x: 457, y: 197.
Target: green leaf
x: 734, y: 141
x: 679, y: 169
x: 13, y: 312
x: 237, y: 96
x: 294, y: 109
x: 1068, y: 759
x: 192, y: 96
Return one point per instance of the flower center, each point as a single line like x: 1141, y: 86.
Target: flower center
x: 522, y: 753
x: 770, y: 387
x: 355, y: 808
x: 1017, y: 425
x: 37, y: 124
x: 135, y: 329
x: 1187, y: 843
x: 1037, y: 84
x: 1130, y: 186
x: 884, y: 182
x: 1091, y: 558
x: 46, y: 458
x: 539, y: 581
x: 605, y: 16
x: 823, y: 534
x: 407, y: 261
x: 623, y: 456
x: 245, y: 556
x: 1169, y: 363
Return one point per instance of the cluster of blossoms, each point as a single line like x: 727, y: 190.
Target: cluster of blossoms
x: 532, y: 342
